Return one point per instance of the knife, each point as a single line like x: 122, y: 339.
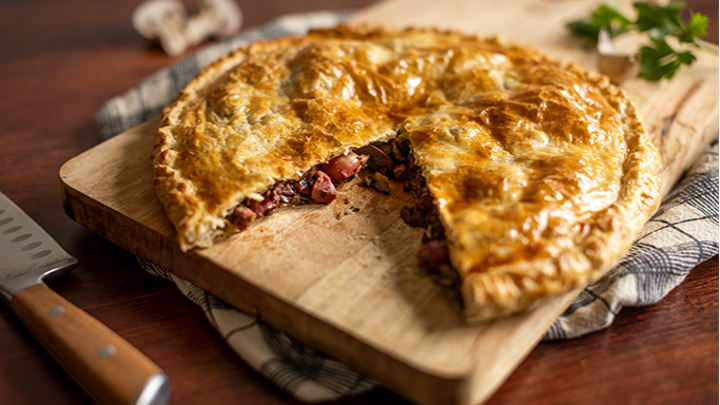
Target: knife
x: 104, y: 365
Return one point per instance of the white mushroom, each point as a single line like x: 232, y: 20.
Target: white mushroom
x: 217, y: 18
x: 166, y: 21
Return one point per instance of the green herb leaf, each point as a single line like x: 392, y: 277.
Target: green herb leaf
x: 605, y: 17
x: 611, y: 19
x: 662, y: 61
x: 662, y: 20
x: 585, y: 29
x: 658, y: 59
x: 696, y: 27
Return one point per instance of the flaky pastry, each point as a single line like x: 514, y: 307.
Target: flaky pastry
x: 540, y: 172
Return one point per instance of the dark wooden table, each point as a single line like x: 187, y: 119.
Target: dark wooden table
x: 60, y: 60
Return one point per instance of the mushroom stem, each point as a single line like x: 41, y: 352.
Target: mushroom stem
x: 166, y: 21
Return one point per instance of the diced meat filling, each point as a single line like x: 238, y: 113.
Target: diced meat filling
x: 317, y: 185
x: 433, y: 254
x: 323, y: 190
x: 433, y: 257
x: 344, y: 166
x: 391, y: 160
x: 242, y: 217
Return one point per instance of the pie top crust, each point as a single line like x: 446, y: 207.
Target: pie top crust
x: 542, y: 172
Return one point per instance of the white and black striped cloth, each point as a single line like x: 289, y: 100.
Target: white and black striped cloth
x: 683, y: 234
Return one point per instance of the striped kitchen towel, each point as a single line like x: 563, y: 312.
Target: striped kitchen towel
x: 683, y: 234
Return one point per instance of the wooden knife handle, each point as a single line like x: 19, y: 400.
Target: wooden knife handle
x: 108, y: 368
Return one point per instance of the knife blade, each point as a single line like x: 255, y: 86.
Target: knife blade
x: 108, y: 368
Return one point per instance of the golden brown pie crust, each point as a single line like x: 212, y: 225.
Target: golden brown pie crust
x: 542, y: 172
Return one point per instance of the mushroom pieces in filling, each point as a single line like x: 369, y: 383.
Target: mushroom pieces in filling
x: 390, y: 160
x: 317, y: 185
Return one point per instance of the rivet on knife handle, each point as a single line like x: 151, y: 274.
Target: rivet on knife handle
x: 110, y: 369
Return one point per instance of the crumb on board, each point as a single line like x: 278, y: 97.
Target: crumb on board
x: 378, y: 181
x: 346, y: 211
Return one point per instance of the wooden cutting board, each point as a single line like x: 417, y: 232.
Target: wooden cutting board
x: 344, y: 277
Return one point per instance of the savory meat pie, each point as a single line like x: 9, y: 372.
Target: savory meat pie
x: 532, y: 175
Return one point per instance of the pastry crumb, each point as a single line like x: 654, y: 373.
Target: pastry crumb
x: 346, y: 211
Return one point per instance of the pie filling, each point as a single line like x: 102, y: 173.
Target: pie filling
x: 380, y: 162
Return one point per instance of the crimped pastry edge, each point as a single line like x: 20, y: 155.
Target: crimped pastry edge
x: 511, y: 289
x: 516, y: 287
x: 183, y: 208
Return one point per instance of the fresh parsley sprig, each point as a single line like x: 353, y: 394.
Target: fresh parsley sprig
x: 658, y: 59
x: 605, y: 17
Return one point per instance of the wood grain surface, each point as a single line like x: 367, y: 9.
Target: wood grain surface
x: 359, y: 294
x: 61, y: 60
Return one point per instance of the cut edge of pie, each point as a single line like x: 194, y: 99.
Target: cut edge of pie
x: 517, y: 286
x: 495, y: 283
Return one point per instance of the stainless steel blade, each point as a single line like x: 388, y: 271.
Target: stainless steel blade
x: 28, y: 255
x: 109, y: 369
